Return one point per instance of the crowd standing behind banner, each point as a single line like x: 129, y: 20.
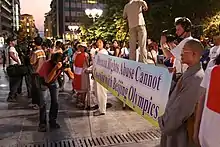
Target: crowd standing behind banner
x: 144, y: 88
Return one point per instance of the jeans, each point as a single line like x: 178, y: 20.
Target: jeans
x: 35, y: 89
x: 14, y: 83
x: 54, y: 92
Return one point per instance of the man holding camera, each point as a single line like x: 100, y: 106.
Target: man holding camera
x: 183, y: 32
x: 48, y: 75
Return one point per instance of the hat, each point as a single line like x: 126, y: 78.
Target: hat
x: 83, y: 44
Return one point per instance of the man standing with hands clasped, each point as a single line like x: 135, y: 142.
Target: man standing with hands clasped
x: 177, y: 122
x: 133, y: 13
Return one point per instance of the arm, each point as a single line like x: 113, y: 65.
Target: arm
x: 53, y: 73
x: 166, y: 51
x: 182, y: 107
x: 69, y: 73
x: 144, y: 5
x: 117, y: 51
x: 125, y: 13
x: 198, y: 119
x: 33, y: 59
x: 11, y: 54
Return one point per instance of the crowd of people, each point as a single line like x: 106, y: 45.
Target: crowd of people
x: 191, y: 115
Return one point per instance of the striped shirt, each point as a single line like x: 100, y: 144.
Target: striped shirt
x: 37, y: 59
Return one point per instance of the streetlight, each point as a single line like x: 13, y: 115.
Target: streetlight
x: 93, y: 13
x: 73, y: 29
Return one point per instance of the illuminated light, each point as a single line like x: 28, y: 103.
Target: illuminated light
x: 3, y: 85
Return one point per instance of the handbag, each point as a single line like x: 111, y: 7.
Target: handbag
x: 17, y: 70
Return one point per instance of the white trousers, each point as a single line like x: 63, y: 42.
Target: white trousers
x: 138, y: 34
x: 101, y: 95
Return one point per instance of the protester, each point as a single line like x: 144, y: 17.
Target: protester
x: 49, y: 72
x: 214, y: 51
x: 100, y: 91
x: 133, y: 13
x: 13, y: 59
x: 183, y: 31
x: 38, y: 57
x: 206, y: 133
x: 176, y: 122
x: 81, y: 79
x: 116, y: 49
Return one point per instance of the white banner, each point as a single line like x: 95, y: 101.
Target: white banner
x: 142, y: 87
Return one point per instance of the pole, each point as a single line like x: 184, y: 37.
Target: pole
x: 93, y: 19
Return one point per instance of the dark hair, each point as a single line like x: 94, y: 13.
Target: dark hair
x: 49, y: 43
x: 56, y: 56
x: 185, y: 23
x: 217, y: 60
x: 11, y: 38
x: 38, y: 41
x: 59, y: 44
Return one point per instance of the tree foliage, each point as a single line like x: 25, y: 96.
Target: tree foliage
x: 160, y: 16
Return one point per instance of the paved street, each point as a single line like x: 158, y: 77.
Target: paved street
x: 121, y: 128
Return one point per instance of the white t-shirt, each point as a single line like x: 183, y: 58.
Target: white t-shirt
x: 209, y: 128
x: 214, y: 52
x: 133, y: 12
x: 180, y: 68
x: 103, y: 51
x: 12, y: 62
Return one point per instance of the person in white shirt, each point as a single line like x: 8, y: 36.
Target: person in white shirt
x: 214, y: 51
x: 206, y: 130
x: 183, y: 31
x: 100, y: 91
x: 13, y: 58
x: 133, y: 13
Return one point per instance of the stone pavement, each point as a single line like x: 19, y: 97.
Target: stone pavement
x: 121, y: 128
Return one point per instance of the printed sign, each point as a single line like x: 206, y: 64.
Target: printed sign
x: 144, y: 88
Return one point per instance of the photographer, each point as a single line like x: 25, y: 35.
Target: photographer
x: 183, y: 32
x: 48, y: 73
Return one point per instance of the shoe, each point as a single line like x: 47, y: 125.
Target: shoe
x: 98, y: 113
x: 95, y: 107
x: 108, y: 105
x: 80, y: 106
x: 54, y: 126
x: 10, y: 99
x: 42, y: 128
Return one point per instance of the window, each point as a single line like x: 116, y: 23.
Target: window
x: 28, y: 30
x: 92, y: 1
x: 28, y: 24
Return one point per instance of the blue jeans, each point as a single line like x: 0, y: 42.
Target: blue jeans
x: 54, y: 92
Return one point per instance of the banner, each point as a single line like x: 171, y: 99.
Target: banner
x: 144, y: 88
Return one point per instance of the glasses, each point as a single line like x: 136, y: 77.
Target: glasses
x: 185, y: 51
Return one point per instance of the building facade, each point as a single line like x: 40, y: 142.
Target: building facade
x: 9, y: 17
x: 48, y: 33
x: 28, y: 29
x: 66, y: 13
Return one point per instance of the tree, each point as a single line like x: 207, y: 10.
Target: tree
x: 160, y: 16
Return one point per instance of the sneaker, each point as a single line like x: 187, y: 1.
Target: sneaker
x: 95, y: 107
x: 42, y: 128
x: 98, y: 113
x: 54, y: 126
x: 10, y: 99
